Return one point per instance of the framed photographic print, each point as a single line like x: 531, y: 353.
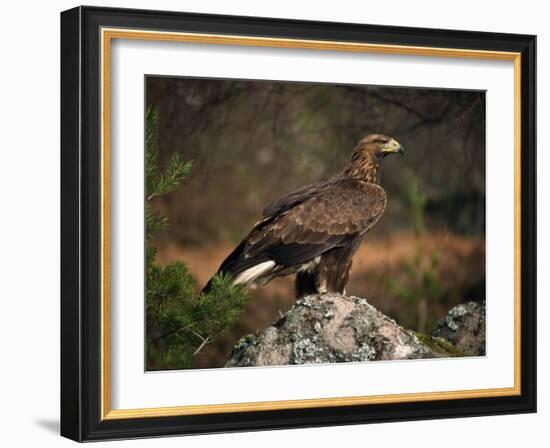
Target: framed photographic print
x: 275, y: 224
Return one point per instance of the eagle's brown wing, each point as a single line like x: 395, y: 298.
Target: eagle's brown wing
x: 308, y: 223
x: 331, y: 216
x: 292, y: 199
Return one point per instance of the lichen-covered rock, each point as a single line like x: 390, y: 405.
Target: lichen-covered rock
x: 333, y: 328
x: 464, y: 327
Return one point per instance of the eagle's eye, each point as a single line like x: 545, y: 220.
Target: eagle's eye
x: 381, y: 141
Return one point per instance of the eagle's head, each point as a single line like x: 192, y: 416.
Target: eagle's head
x: 368, y: 153
x: 378, y: 146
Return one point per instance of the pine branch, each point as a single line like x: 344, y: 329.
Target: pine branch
x: 158, y: 184
x: 154, y: 221
x: 175, y: 172
x: 151, y: 158
x: 178, y: 325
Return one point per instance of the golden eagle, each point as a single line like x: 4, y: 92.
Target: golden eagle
x: 315, y: 230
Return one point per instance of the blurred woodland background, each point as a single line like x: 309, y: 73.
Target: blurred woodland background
x: 251, y: 142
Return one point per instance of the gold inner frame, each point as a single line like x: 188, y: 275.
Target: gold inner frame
x: 107, y: 35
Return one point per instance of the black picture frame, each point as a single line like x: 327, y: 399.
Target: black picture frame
x: 81, y: 224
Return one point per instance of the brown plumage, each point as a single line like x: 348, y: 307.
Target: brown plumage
x: 315, y: 231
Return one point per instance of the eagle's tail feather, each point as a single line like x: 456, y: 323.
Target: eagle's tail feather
x: 240, y: 269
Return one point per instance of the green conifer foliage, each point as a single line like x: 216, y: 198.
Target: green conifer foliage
x: 178, y: 323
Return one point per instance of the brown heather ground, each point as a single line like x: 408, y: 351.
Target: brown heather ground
x: 461, y: 267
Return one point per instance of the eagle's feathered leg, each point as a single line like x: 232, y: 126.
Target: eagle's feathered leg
x: 331, y: 274
x: 306, y: 283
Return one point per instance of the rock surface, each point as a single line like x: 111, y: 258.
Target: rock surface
x: 335, y: 328
x: 464, y: 327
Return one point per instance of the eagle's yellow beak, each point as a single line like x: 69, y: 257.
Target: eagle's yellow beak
x: 393, y: 147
